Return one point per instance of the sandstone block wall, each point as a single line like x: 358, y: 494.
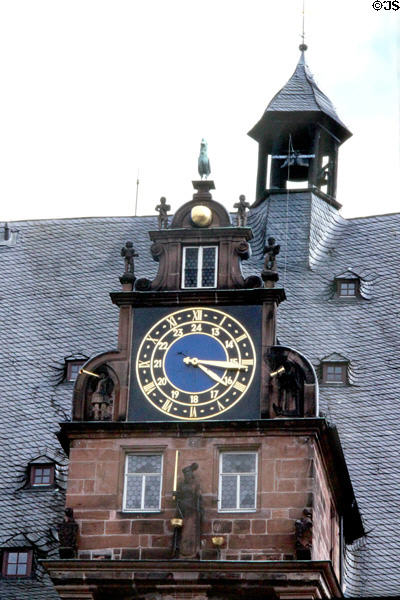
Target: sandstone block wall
x: 290, y: 478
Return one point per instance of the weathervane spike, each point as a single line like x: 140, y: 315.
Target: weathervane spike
x: 303, y: 46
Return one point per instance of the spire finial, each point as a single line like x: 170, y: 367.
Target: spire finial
x: 303, y: 46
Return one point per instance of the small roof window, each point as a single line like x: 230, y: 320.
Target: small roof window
x: 334, y: 370
x: 73, y: 366
x: 41, y: 475
x: 347, y: 285
x: 17, y: 563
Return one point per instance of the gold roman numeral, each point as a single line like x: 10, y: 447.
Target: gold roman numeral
x: 149, y: 387
x: 220, y: 406
x: 197, y: 315
x: 172, y: 322
x: 167, y: 405
x: 248, y: 362
x: 150, y: 339
x: 239, y: 386
x: 144, y: 364
x: 241, y: 337
x: 193, y: 412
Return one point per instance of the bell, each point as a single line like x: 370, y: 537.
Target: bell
x: 296, y: 166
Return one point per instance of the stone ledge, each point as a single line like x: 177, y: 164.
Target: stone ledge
x: 310, y: 579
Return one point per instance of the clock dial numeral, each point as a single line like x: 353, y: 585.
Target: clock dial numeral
x: 241, y: 338
x: 144, y: 364
x: 196, y: 364
x: 149, y: 387
x: 168, y: 404
x: 248, y: 362
x: 172, y: 322
x: 239, y: 386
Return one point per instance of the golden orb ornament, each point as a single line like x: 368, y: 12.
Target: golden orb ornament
x: 201, y: 216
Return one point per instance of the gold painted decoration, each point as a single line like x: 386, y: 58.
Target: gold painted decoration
x: 201, y: 216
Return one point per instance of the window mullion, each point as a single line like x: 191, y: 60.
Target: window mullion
x: 238, y: 492
x: 143, y: 491
x: 200, y: 267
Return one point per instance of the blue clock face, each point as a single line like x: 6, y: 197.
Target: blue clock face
x: 195, y: 363
x: 204, y: 347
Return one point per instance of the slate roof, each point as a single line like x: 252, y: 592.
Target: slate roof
x: 300, y: 94
x: 54, y: 302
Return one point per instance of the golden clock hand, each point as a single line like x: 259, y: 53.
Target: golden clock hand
x: 211, y: 374
x: 225, y: 364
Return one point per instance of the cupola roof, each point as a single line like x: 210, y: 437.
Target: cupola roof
x: 300, y: 94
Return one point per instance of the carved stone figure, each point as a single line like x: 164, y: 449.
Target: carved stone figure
x: 204, y: 162
x: 271, y: 251
x: 101, y: 400
x: 242, y: 206
x: 128, y: 253
x: 67, y: 535
x: 303, y: 532
x: 163, y: 209
x: 290, y: 391
x: 190, y: 509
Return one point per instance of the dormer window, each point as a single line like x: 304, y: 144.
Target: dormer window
x: 73, y: 367
x: 347, y: 288
x: 334, y: 373
x: 199, y: 267
x: 334, y: 370
x: 347, y: 285
x: 41, y: 475
x: 17, y: 563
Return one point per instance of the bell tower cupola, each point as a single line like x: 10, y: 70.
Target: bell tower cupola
x: 299, y: 136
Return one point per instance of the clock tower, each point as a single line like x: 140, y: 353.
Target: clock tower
x: 199, y: 463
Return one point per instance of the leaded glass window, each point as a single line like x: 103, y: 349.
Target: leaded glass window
x: 199, y: 267
x: 238, y: 481
x: 143, y: 475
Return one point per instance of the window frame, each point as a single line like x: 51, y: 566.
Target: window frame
x: 5, y: 563
x: 70, y: 364
x: 220, y: 477
x: 199, y: 267
x: 344, y: 373
x: 342, y: 282
x: 32, y: 469
x: 143, y: 509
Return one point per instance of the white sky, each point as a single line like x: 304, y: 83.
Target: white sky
x: 93, y: 90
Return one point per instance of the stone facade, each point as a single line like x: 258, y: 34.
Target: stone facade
x: 291, y: 476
